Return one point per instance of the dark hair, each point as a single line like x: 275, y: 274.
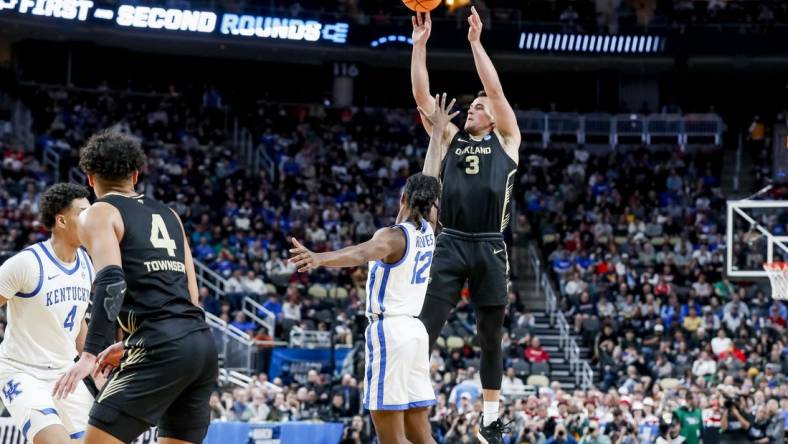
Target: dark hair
x: 111, y: 155
x: 481, y: 93
x: 58, y: 198
x: 421, y: 192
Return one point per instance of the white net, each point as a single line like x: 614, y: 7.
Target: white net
x: 778, y: 275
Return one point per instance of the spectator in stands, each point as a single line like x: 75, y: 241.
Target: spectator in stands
x: 356, y: 433
x: 511, y: 384
x: 242, y: 323
x: 279, y: 270
x: 535, y: 352
x: 291, y: 309
x: 252, y: 285
x: 273, y: 305
x: 466, y: 389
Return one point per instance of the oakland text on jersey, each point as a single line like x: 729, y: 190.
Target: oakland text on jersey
x: 473, y: 150
x: 67, y: 294
x: 178, y: 266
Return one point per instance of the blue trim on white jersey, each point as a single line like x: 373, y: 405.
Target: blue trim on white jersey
x: 77, y: 435
x: 372, y: 275
x: 40, y: 276
x: 382, y: 375
x: 87, y: 263
x: 382, y: 292
x: 408, y: 406
x: 57, y: 262
x: 26, y: 426
x: 404, y: 255
x: 369, y: 362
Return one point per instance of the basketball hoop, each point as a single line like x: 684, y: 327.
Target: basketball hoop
x: 778, y: 275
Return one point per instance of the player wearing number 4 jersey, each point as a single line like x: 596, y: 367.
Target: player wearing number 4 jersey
x: 397, y: 387
x: 47, y: 289
x: 146, y: 282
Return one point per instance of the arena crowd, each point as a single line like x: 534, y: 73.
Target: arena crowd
x: 633, y: 240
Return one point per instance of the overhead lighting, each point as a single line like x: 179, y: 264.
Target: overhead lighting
x: 626, y: 44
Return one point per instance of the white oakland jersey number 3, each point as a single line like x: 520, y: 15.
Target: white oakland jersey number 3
x: 159, y: 236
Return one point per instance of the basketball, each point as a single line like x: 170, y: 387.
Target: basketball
x: 421, y: 5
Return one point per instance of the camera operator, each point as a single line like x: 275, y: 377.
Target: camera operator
x: 355, y: 433
x: 768, y: 426
x: 670, y: 433
x: 460, y: 432
x: 560, y: 436
x: 735, y: 421
x: 594, y: 435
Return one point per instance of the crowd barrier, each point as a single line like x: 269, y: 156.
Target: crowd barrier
x: 227, y: 433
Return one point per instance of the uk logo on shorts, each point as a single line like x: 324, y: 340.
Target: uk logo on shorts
x: 11, y: 390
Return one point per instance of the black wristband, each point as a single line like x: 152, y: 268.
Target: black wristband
x: 109, y: 289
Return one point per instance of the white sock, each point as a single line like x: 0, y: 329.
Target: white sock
x: 489, y: 412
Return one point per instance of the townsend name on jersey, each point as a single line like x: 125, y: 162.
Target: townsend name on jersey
x: 177, y: 266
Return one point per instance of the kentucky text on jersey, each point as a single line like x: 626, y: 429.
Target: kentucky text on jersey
x: 67, y: 294
x: 165, y: 266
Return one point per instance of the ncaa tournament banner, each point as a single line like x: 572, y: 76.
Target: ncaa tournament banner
x: 9, y: 434
x: 293, y: 364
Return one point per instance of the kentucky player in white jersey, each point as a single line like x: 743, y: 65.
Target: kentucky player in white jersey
x: 397, y: 388
x: 46, y: 289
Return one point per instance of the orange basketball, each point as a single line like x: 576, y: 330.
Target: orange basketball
x: 422, y: 5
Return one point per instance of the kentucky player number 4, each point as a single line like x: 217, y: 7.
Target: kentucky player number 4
x: 46, y: 288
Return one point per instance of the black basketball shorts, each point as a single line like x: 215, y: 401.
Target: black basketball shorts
x: 479, y: 259
x: 167, y: 385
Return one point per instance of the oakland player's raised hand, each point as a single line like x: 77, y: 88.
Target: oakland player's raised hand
x: 422, y: 26
x: 441, y: 115
x: 302, y: 257
x: 475, y: 29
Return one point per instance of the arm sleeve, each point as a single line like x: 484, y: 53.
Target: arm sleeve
x: 21, y: 275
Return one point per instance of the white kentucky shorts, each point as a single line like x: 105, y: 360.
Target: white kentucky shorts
x: 397, y: 373
x: 29, y: 400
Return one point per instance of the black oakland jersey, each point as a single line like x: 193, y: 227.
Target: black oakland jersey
x: 478, y: 177
x: 157, y: 307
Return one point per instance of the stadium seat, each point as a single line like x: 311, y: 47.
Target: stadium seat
x: 538, y: 381
x: 669, y: 383
x: 590, y: 329
x: 318, y: 291
x: 520, y: 332
x: 658, y: 241
x: 548, y: 238
x: 521, y: 368
x: 440, y: 342
x: 540, y: 368
x: 270, y: 288
x: 454, y: 342
x: 339, y: 293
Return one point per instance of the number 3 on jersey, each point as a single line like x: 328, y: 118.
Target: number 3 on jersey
x: 418, y: 272
x: 159, y: 236
x: 473, y: 164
